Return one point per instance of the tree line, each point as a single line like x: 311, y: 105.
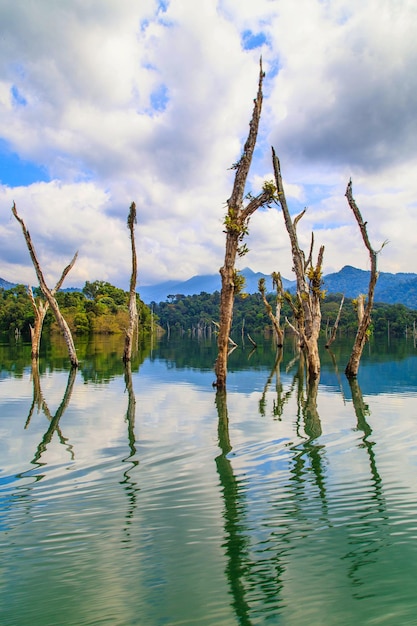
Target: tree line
x: 195, y: 314
x: 99, y: 308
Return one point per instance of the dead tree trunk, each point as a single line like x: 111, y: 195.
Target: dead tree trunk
x: 48, y: 293
x: 309, y: 282
x: 236, y: 223
x: 40, y: 309
x: 336, y: 324
x: 275, y: 318
x: 364, y: 316
x: 133, y: 308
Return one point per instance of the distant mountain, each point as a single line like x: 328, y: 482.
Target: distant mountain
x: 208, y: 283
x: 4, y: 284
x: 391, y: 288
x: 398, y: 288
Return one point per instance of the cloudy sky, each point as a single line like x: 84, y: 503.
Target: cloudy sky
x: 105, y: 102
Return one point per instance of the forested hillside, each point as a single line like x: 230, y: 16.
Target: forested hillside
x: 196, y: 314
x: 398, y: 288
x: 102, y: 308
x: 98, y: 308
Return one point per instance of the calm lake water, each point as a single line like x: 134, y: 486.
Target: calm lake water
x: 146, y: 498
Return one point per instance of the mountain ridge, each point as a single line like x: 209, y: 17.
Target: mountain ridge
x: 400, y: 288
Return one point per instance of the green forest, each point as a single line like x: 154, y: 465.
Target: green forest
x: 196, y: 313
x: 101, y: 308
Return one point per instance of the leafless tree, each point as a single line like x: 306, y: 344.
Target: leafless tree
x: 133, y: 309
x: 336, y: 324
x: 307, y: 308
x: 236, y: 227
x: 274, y: 317
x: 364, y: 311
x: 40, y: 308
x: 49, y: 295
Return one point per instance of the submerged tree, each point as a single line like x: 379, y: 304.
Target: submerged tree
x: 336, y: 324
x: 307, y: 308
x: 274, y: 317
x: 236, y: 227
x: 49, y: 295
x: 40, y: 308
x: 364, y: 311
x: 133, y: 309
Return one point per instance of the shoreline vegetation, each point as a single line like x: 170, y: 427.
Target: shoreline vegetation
x: 101, y: 308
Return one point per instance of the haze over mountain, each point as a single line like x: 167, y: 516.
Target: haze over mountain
x: 391, y: 288
x: 208, y: 283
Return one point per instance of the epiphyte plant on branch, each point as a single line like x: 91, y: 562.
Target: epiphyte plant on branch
x: 307, y: 308
x: 236, y: 228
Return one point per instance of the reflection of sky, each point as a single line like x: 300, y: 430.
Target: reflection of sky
x: 163, y: 504
x: 120, y: 532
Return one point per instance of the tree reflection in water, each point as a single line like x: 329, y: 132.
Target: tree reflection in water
x: 40, y: 402
x: 131, y: 487
x: 374, y: 516
x: 236, y: 543
x: 259, y: 554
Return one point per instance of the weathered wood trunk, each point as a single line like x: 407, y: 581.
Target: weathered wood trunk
x: 40, y: 309
x: 309, y: 281
x: 365, y: 315
x: 227, y: 294
x: 336, y: 324
x: 133, y: 309
x: 48, y: 294
x: 275, y: 318
x: 236, y: 227
x: 312, y: 316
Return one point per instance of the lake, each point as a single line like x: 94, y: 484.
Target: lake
x: 145, y: 497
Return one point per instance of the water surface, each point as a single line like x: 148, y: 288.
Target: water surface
x: 147, y: 498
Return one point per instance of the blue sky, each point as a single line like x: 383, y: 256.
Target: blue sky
x: 104, y: 102
x: 15, y: 172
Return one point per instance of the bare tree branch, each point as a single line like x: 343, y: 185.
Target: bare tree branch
x: 336, y: 324
x: 133, y: 309
x: 49, y: 295
x: 309, y: 294
x: 361, y: 335
x: 236, y: 222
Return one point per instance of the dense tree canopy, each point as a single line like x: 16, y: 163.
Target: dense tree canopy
x: 98, y: 308
x: 102, y: 308
x: 196, y: 313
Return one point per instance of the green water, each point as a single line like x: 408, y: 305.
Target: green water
x: 149, y: 499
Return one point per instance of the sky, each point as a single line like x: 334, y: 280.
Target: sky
x: 105, y: 102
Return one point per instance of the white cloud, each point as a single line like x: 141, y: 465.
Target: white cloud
x: 125, y: 101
